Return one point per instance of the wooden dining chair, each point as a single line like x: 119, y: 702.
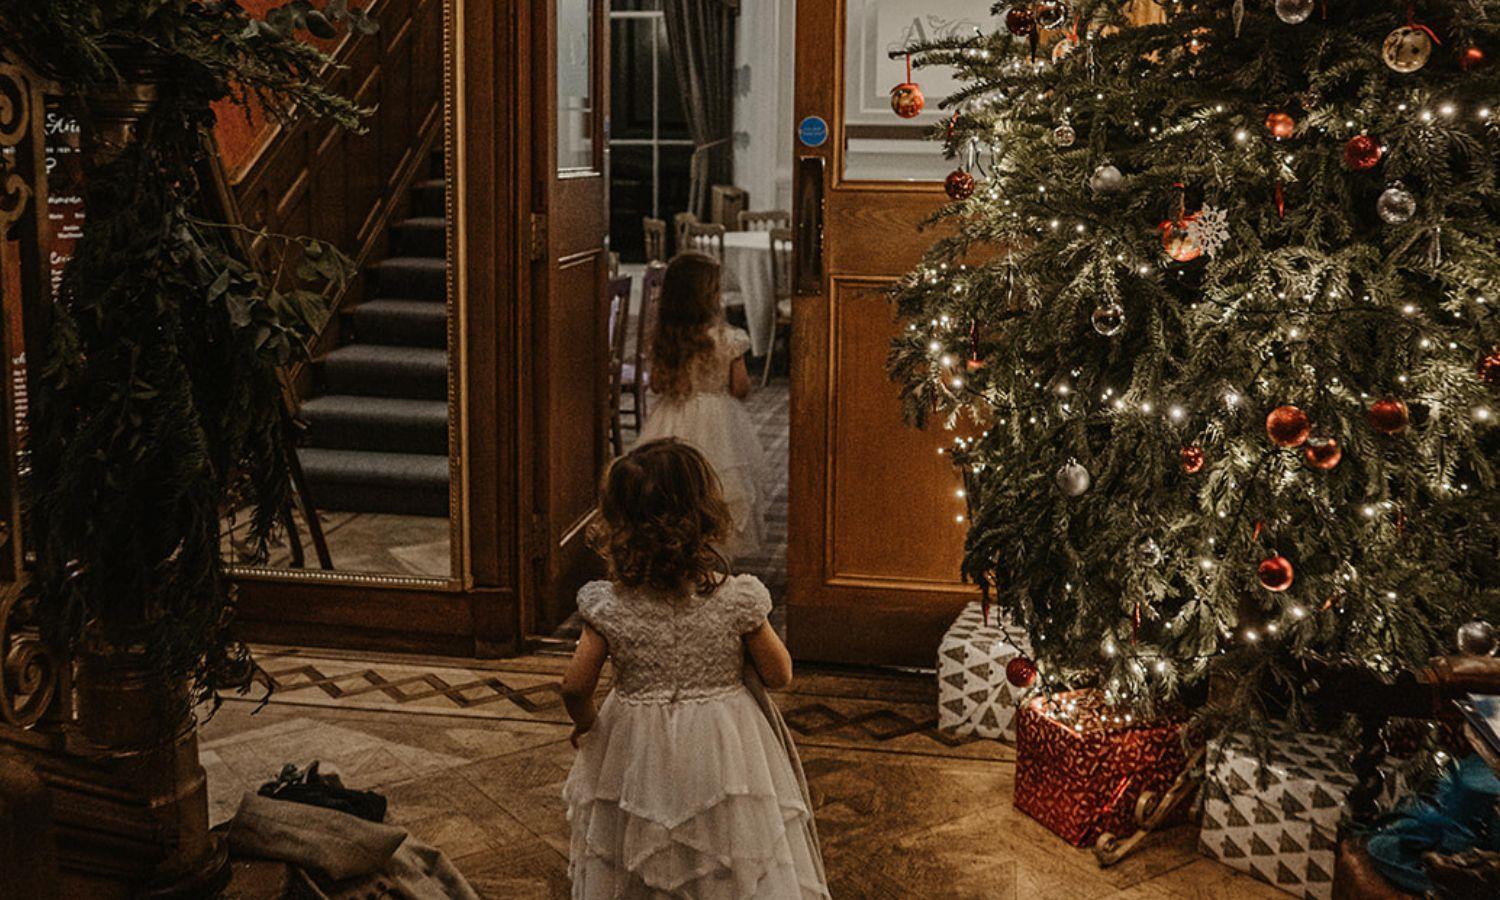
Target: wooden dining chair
x: 705, y: 238
x: 781, y: 281
x: 764, y: 220
x: 680, y: 222
x: 619, y: 311
x: 634, y: 376
x: 655, y: 233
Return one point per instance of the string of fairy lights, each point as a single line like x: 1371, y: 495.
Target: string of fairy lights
x: 944, y: 335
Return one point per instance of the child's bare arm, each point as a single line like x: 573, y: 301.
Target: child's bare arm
x: 581, y: 680
x: 770, y: 657
x: 739, y: 379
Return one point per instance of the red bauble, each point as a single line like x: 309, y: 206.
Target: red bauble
x: 1288, y: 426
x: 1489, y: 367
x: 1389, y: 416
x: 907, y: 100
x: 1020, y: 672
x: 1192, y: 460
x: 1362, y: 153
x: 1176, y: 240
x: 1322, y: 453
x: 1281, y: 125
x: 1469, y: 57
x: 1020, y: 21
x: 959, y: 185
x: 1275, y: 574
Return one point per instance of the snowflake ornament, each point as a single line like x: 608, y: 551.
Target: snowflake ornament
x: 1209, y: 229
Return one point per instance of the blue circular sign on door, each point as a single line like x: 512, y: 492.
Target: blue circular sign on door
x: 812, y: 131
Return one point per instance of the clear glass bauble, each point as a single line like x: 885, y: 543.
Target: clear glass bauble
x: 1108, y: 318
x: 1064, y: 135
x: 1294, y: 12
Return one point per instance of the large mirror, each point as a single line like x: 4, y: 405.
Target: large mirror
x: 373, y: 413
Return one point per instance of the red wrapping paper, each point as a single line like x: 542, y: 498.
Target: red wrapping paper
x: 1080, y: 776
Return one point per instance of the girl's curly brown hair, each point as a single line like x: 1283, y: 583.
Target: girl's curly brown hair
x: 689, y: 307
x: 661, y: 512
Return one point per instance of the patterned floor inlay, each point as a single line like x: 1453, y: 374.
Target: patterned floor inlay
x: 897, y: 819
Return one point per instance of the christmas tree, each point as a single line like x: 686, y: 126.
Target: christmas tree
x: 1213, y: 310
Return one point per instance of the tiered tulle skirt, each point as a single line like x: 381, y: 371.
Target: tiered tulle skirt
x: 694, y: 799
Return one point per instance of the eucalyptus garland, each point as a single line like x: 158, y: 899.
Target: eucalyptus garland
x: 157, y: 399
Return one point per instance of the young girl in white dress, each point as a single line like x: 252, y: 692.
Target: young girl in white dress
x: 686, y: 782
x: 698, y: 374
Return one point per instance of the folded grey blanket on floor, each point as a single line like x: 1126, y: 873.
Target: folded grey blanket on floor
x: 343, y: 847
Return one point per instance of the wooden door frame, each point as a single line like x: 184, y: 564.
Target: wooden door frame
x: 552, y: 549
x: 831, y: 616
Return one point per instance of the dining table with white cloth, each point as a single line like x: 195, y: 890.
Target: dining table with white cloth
x: 748, y: 283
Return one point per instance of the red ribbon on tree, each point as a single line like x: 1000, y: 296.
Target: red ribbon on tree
x: 1411, y: 22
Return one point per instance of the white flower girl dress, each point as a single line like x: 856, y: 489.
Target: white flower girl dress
x: 718, y: 426
x: 683, y: 788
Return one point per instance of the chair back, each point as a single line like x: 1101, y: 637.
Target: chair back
x: 619, y: 311
x: 781, y: 262
x: 706, y: 238
x: 655, y: 233
x: 680, y: 222
x: 645, y: 323
x: 765, y: 220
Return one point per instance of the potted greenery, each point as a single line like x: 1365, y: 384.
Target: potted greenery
x: 155, y: 393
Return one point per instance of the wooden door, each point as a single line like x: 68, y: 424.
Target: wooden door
x: 570, y: 248
x: 875, y: 538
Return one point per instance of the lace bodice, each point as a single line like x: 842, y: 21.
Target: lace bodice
x: 666, y: 648
x: 710, y: 374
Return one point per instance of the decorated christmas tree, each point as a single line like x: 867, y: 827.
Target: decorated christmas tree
x: 1213, y: 315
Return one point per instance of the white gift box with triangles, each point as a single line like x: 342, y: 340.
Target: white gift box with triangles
x: 973, y: 696
x: 1279, y: 823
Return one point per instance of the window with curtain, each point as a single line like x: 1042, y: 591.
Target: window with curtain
x: 650, y: 144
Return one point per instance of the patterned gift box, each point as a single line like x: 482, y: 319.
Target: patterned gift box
x: 1080, y: 766
x: 1279, y: 822
x: 973, y: 695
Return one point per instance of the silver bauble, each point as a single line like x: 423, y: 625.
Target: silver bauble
x: 1106, y: 180
x: 1476, y: 638
x: 1108, y: 318
x: 1396, y: 205
x: 1063, y: 135
x: 1406, y: 49
x: 1294, y: 12
x: 1073, y: 479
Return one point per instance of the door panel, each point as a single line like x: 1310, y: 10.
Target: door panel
x: 874, y: 547
x: 570, y: 242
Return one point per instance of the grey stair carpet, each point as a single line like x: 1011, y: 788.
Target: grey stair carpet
x: 408, y: 484
x: 379, y: 370
x: 386, y: 424
x: 377, y: 429
x: 416, y: 323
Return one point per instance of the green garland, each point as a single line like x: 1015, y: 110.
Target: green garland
x: 157, y: 405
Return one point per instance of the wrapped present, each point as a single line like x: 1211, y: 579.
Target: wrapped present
x: 974, y: 697
x: 1278, y: 821
x: 1080, y: 765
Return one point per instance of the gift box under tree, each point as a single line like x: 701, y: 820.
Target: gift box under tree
x: 974, y: 696
x: 1081, y: 765
x: 1278, y: 822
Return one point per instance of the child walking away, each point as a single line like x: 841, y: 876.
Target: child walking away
x: 686, y: 782
x: 698, y: 373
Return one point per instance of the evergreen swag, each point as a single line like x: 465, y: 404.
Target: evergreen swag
x: 1147, y: 583
x: 157, y: 407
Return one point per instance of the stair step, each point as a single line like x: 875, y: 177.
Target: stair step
x: 420, y: 236
x: 362, y: 481
x: 412, y: 278
x: 429, y: 198
x: 414, y: 323
x: 381, y: 370
x: 386, y: 424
